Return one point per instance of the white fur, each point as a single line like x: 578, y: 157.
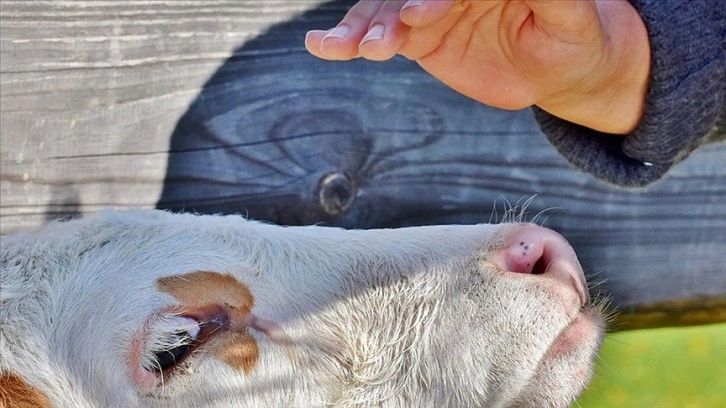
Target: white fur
x: 414, y: 317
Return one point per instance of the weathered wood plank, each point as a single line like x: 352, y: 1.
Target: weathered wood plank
x: 216, y: 107
x: 92, y: 91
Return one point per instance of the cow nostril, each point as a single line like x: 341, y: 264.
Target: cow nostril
x: 525, y: 255
x: 535, y: 250
x: 540, y: 267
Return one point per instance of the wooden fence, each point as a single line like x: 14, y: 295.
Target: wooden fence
x: 214, y: 106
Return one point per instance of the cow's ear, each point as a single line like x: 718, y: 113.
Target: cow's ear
x: 16, y: 393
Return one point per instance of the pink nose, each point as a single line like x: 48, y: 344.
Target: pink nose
x: 540, y: 251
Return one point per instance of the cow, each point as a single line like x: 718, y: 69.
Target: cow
x: 147, y: 308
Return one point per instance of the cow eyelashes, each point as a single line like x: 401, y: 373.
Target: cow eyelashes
x: 165, y: 359
x: 171, y: 343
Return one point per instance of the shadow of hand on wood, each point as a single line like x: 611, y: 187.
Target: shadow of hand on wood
x: 274, y: 126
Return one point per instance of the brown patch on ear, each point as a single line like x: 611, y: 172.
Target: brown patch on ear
x: 198, y: 290
x: 16, y: 393
x: 238, y: 349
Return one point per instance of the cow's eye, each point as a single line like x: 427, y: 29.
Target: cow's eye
x: 169, y: 347
x: 168, y: 358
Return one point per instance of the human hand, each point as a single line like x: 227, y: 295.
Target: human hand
x: 585, y: 61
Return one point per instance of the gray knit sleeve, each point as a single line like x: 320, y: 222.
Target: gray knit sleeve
x: 685, y: 104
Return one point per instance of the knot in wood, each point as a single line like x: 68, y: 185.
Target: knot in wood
x: 336, y: 192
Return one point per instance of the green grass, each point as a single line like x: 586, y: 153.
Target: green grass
x: 661, y: 368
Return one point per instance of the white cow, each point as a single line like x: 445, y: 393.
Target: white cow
x: 152, y: 309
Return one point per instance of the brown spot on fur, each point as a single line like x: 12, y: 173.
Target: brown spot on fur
x: 16, y: 393
x: 196, y: 289
x: 239, y: 350
x: 200, y: 290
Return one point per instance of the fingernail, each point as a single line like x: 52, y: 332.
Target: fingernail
x: 412, y: 3
x: 338, y: 32
x: 375, y: 33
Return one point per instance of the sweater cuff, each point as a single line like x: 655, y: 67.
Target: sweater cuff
x: 685, y: 98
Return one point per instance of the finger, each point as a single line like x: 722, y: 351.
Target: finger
x: 425, y: 40
x: 559, y: 18
x: 341, y: 42
x: 423, y: 13
x: 313, y: 39
x: 386, y: 33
